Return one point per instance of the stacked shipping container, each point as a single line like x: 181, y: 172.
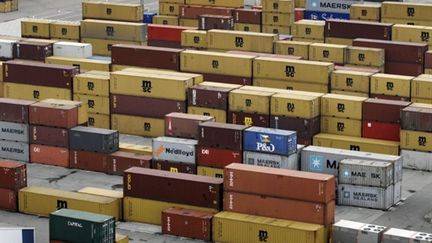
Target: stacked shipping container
x: 13, y: 178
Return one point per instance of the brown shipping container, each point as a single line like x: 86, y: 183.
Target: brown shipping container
x: 227, y: 79
x: 352, y: 29
x: 33, y: 51
x: 259, y: 54
x: 399, y: 68
x: 89, y: 161
x: 218, y: 158
x: 156, y: 108
x: 164, y: 44
x: 307, y: 212
x: 247, y: 16
x: 13, y: 175
x: 383, y: 110
x: 187, y: 223
x: 194, y: 190
x: 208, y: 22
x: 428, y: 59
x: 174, y: 167
x: 305, y: 128
x: 8, y: 200
x: 50, y: 136
x: 221, y: 135
x: 389, y: 97
x: 248, y: 119
x: 208, y: 96
x: 195, y: 11
x: 184, y: 125
x: 290, y: 184
x: 65, y: 116
x: 146, y: 56
x: 49, y: 155
x: 121, y: 161
x: 13, y: 110
x: 39, y: 74
x: 417, y: 118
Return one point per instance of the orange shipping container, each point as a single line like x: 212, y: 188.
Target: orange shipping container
x: 49, y: 155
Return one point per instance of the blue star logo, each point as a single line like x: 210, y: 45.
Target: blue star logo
x: 346, y: 173
x: 316, y: 163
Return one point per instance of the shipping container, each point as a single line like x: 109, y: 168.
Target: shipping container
x: 341, y: 126
x: 94, y: 104
x: 157, y: 32
x: 49, y: 155
x: 82, y: 110
x: 8, y: 200
x: 175, y: 149
x: 136, y: 125
x: 250, y: 101
x: 417, y: 118
x: 342, y: 106
x: 90, y: 161
x: 416, y: 140
x: 270, y: 140
x: 421, y: 87
x: 277, y: 19
x: 50, y: 136
x: 328, y: 53
x: 56, y: 115
x: 365, y: 196
x: 351, y: 81
x: 366, y: 173
x: 408, y: 69
x: 338, y: 41
x: 81, y: 63
x: 383, y: 110
x: 191, y: 23
x: 275, y: 6
x: 350, y: 231
x: 247, y: 16
x: 102, y: 47
x: 221, y: 135
x: 388, y: 84
x: 217, y: 157
x: 292, y: 85
x: 208, y: 22
x: 197, y: 78
x: 410, y: 33
x: 113, y: 30
x: 228, y: 79
x: 136, y: 148
x: 240, y: 40
x: 365, y: 12
x: 211, y: 95
x: 105, y: 193
x: 94, y: 139
x: 14, y: 150
x: 121, y: 238
x: 417, y: 160
x: 121, y: 161
x: 248, y: 119
x: 381, y: 130
x: 166, y: 20
x: 92, y: 83
x: 294, y: 105
x: 14, y: 110
x: 7, y: 49
x: 305, y: 128
x: 73, y: 50
x: 33, y: 92
x: 194, y: 38
x: 33, y: 50
x: 219, y: 115
x: 36, y: 28
x: 352, y: 29
x: 184, y: 125
x: 14, y: 131
x: 210, y: 171
x: 400, y: 10
x: 174, y: 167
x: 291, y: 162
x: 13, y: 175
x: 294, y: 48
x: 168, y: 8
x: 309, y: 29
x: 217, y: 3
x: 400, y: 235
x: 193, y: 12
x: 113, y: 11
x: 65, y: 30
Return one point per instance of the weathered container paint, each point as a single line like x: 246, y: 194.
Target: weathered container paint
x: 14, y: 131
x: 350, y: 231
x: 269, y: 140
x: 216, y: 157
x: 365, y: 196
x: 175, y: 149
x: 13, y: 175
x: 14, y: 150
x: 366, y: 173
x: 416, y: 160
x: 291, y: 162
x: 94, y: 139
x: 51, y: 136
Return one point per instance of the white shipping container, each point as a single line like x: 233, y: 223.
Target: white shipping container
x: 175, y: 149
x: 7, y: 48
x: 350, y: 231
x: 17, y: 235
x: 417, y: 160
x: 291, y: 162
x: 394, y: 235
x: 366, y: 173
x: 72, y: 49
x: 365, y: 196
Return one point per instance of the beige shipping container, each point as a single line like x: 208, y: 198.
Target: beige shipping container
x: 366, y: 12
x: 294, y: 105
x: 390, y: 84
x: 99, y: 120
x: 216, y: 63
x: 310, y: 29
x: 278, y: 19
x: 65, y: 30
x: 82, y: 63
x: 341, y: 126
x: 166, y: 20
x: 406, y: 10
x: 95, y: 104
x: 243, y: 228
x: 294, y: 48
x: 150, y: 85
x: 43, y: 201
x: 1, y: 89
x: 415, y: 140
x: 197, y: 78
x: 113, y: 11
x: 278, y: 6
x: 189, y: 22
x: 219, y: 115
x: 366, y: 56
x: 308, y: 40
x: 34, y: 92
x: 149, y: 211
x: 117, y: 195
x: 343, y: 92
x: 342, y: 106
x: 300, y: 3
x: 247, y: 27
x: 328, y: 53
x: 283, y: 91
x: 217, y: 3
x: 275, y: 29
x: 420, y: 100
x: 102, y: 47
x: 428, y: 70
x: 351, y: 81
x: 82, y: 108
x: 250, y: 101
x: 421, y: 87
x: 136, y: 148
x: 293, y: 70
x: 338, y: 41
x: 210, y: 171
x: 113, y: 30
x: 92, y: 83
x: 292, y: 85
x: 410, y: 33
x: 36, y: 28
x: 194, y: 38
x: 170, y: 9
x: 121, y: 238
x: 223, y: 85
x: 406, y: 21
x: 1, y: 71
x: 241, y: 41
x: 136, y: 125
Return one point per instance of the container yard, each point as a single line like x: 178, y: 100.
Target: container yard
x: 232, y: 121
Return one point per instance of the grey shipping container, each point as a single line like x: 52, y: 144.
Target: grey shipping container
x: 365, y: 196
x: 14, y: 131
x: 417, y: 160
x: 350, y: 231
x: 365, y: 173
x: 175, y: 149
x: 394, y: 235
x: 94, y: 139
x: 14, y: 150
x: 291, y: 162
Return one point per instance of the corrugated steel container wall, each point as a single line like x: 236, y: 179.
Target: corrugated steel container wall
x: 417, y: 118
x: 194, y: 38
x: 90, y: 161
x: 305, y: 128
x: 350, y: 81
x: 166, y: 20
x: 328, y: 53
x: 94, y: 139
x: 366, y: 56
x: 381, y: 130
x: 294, y: 48
x: 247, y: 16
x: 81, y: 64
x: 217, y: 3
x: 174, y: 167
x: 197, y: 78
x: 248, y: 119
x: 221, y: 135
x: 102, y: 47
x: 399, y: 10
x: 216, y: 157
x: 349, y: 231
x: 13, y: 175
x: 210, y: 171
x: 270, y: 140
x: 365, y: 196
x: 14, y: 110
x: 342, y: 106
x: 219, y: 115
x: 121, y: 161
x: 113, y: 30
x: 290, y: 162
x: 51, y: 136
x: 421, y: 87
x: 36, y: 28
x: 99, y: 121
x: 366, y: 173
x: 239, y: 40
x: 14, y: 131
x: 415, y: 140
x: 7, y: 51
x: 105, y: 193
x: 66, y: 30
x: 383, y: 110
x: 95, y: 104
x: 294, y: 105
x: 34, y: 92
x: 341, y: 126
x: 388, y: 84
x: 49, y: 155
x: 73, y: 50
x: 14, y: 150
x: 56, y: 115
x: 8, y: 199
x: 184, y: 125
x: 136, y: 125
x: 352, y: 29
x: 92, y: 83
x: 250, y: 101
x: 193, y: 12
x: 309, y: 29
x: 113, y: 11
x: 366, y: 12
x: 394, y: 235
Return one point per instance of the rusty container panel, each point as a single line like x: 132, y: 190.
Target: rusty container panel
x: 208, y: 96
x: 417, y: 118
x: 55, y: 115
x: 51, y: 136
x: 208, y: 22
x: 8, y: 200
x: 187, y: 223
x: 165, y: 186
x: 218, y: 158
x: 221, y: 135
x: 174, y: 167
x: 184, y: 125
x: 156, y: 108
x: 289, y: 184
x: 89, y: 161
x: 195, y: 11
x: 305, y: 128
x: 400, y: 68
x: 248, y: 119
x: 49, y: 155
x: 383, y: 110
x: 121, y: 161
x: 13, y: 175
x: 351, y: 29
x: 247, y: 16
x: 33, y: 51
x: 13, y: 110
x: 146, y: 56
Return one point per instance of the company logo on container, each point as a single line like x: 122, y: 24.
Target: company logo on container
x: 74, y: 224
x: 265, y: 144
x: 346, y: 173
x: 316, y: 163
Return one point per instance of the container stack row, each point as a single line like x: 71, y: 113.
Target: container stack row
x: 7, y: 6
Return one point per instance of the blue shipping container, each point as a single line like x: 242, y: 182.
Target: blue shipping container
x: 315, y: 15
x: 269, y: 140
x: 148, y: 17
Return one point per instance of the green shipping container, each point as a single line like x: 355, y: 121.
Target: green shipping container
x: 78, y: 226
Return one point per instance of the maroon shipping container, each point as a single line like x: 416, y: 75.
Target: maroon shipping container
x: 218, y: 158
x: 195, y: 11
x: 428, y: 59
x: 258, y: 54
x: 247, y: 16
x: 298, y: 14
x: 389, y: 97
x: 164, y: 43
x: 307, y: 212
x: 8, y: 200
x: 155, y: 108
x: 12, y: 110
x: 208, y: 22
x: 194, y: 190
x: 417, y: 118
x: 290, y: 184
x: 351, y: 29
x: 174, y: 167
x: 162, y: 32
x: 121, y: 161
x: 227, y: 79
x: 396, y: 51
x: 55, y: 115
x: 146, y: 56
x: 187, y: 223
x: 221, y: 135
x: 33, y: 50
x: 89, y: 161
x: 13, y: 175
x: 383, y: 110
x: 399, y: 68
x: 208, y: 96
x: 305, y: 128
x: 51, y: 136
x: 248, y: 119
x: 381, y: 130
x: 184, y: 125
x: 285, y: 37
x: 39, y: 74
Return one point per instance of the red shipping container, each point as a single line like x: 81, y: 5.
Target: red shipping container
x: 221, y: 135
x: 13, y: 175
x: 13, y: 110
x: 55, y: 115
x: 49, y: 155
x: 121, y: 161
x: 208, y: 96
x: 248, y: 119
x: 164, y: 44
x: 351, y: 29
x: 89, y: 161
x: 187, y: 223
x: 8, y: 200
x: 227, y: 79
x: 194, y: 11
x: 184, y: 125
x: 381, y: 130
x: 428, y: 59
x: 399, y: 68
x: 389, y: 97
x: 219, y: 158
x: 383, y: 110
x: 299, y: 14
x: 166, y: 32
x: 174, y: 167
x: 247, y: 16
x: 51, y: 136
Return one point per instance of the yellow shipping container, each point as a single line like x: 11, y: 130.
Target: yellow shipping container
x: 216, y: 63
x: 149, y: 211
x: 308, y: 40
x: 410, y: 33
x: 278, y: 19
x: 283, y: 91
x: 309, y: 29
x: 217, y: 3
x: 416, y: 140
x: 328, y: 53
x: 189, y: 22
x: 222, y: 85
x: 356, y: 143
x: 292, y: 85
x: 390, y: 84
x: 82, y: 108
x: 406, y: 10
x: 300, y: 3
x: 243, y: 228
x: 95, y: 104
x: 247, y: 27
x: 341, y: 126
x: 366, y: 56
x: 172, y: 9
x: 83, y: 64
x: 292, y: 70
x: 113, y: 30
x: 135, y: 148
x: 34, y: 92
x: 420, y: 100
x: 343, y: 92
x: 338, y: 41
x: 421, y: 87
x: 197, y: 78
x: 150, y: 85
x: 278, y: 6
x: 99, y: 121
x: 65, y: 30
x: 219, y: 115
x: 294, y: 105
x: 194, y: 38
x: 102, y: 47
x: 121, y: 238
x: 241, y: 41
x: 421, y: 105
x: 43, y: 201
x: 428, y: 70
x: 1, y: 89
x: 173, y: 1
x: 294, y: 48
x: 136, y: 125
x: 1, y: 71
x: 250, y: 101
x: 350, y: 81
x: 3, y: 7
x: 209, y: 171
x: 92, y: 83
x: 113, y: 11
x: 117, y: 195
x: 343, y: 106
x: 406, y: 21
x: 166, y: 20
x: 274, y: 29
x: 36, y: 28
x: 366, y: 12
